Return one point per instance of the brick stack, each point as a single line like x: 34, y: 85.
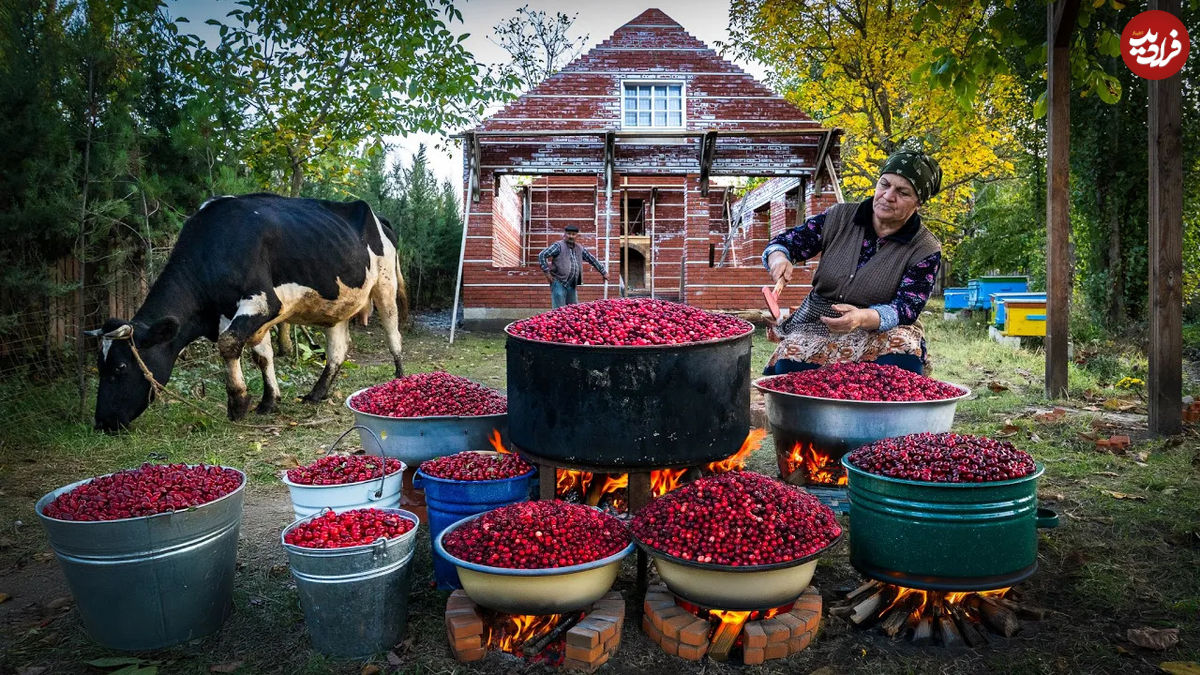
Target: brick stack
x: 683, y: 634
x: 590, y: 643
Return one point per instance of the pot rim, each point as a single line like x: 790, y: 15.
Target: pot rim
x: 759, y: 385
x: 735, y: 569
x: 422, y: 418
x: 514, y: 572
x: 39, y: 506
x: 679, y: 345
x: 407, y: 515
x: 454, y: 481
x: 1038, y: 470
x: 286, y: 481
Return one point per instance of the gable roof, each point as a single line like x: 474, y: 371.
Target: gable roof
x: 585, y: 94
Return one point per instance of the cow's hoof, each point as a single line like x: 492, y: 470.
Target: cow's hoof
x: 266, y: 407
x: 399, y: 370
x: 237, y: 407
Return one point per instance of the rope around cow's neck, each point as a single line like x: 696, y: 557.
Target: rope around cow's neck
x: 158, y: 387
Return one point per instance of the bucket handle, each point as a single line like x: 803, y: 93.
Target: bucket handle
x: 382, y: 458
x: 1047, y: 518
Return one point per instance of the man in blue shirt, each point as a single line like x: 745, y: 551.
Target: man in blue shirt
x: 562, y: 263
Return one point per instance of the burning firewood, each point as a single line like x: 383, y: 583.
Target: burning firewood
x: 868, y: 607
x: 966, y: 627
x: 923, y: 633
x: 536, y: 645
x: 951, y: 638
x: 897, y: 618
x: 1026, y: 611
x: 998, y: 618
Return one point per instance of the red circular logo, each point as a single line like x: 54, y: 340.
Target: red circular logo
x: 1155, y: 44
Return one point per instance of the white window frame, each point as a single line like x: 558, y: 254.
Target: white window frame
x: 651, y: 82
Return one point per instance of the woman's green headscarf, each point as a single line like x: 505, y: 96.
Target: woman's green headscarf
x: 919, y: 168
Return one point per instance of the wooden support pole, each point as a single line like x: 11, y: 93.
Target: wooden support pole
x: 547, y: 481
x: 1166, y: 249
x: 1060, y: 24
x: 640, y: 494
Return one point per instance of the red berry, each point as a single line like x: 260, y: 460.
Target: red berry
x: 943, y: 458
x: 145, y: 491
x: 538, y: 535
x: 349, y: 528
x: 470, y: 465
x: 629, y: 322
x: 428, y: 394
x: 863, y: 382
x: 341, y: 470
x: 738, y: 518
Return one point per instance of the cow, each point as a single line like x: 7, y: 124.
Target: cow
x: 242, y: 265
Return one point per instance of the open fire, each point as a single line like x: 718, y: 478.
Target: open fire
x: 611, y: 490
x: 538, y: 638
x: 952, y: 619
x: 806, y: 464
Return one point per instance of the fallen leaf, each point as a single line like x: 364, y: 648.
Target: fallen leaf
x: 1089, y: 437
x: 1034, y: 438
x: 59, y: 603
x: 996, y: 386
x: 1120, y: 405
x: 43, y: 556
x: 1143, y: 456
x: 1180, y: 667
x: 1008, y: 430
x: 1153, y: 638
x: 1114, y: 474
x: 1051, y: 416
x: 370, y: 669
x: 4, y: 597
x: 226, y: 667
x: 1124, y: 495
x: 1024, y: 373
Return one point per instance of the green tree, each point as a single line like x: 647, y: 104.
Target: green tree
x: 319, y: 79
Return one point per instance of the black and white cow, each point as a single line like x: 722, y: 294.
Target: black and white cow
x: 242, y: 265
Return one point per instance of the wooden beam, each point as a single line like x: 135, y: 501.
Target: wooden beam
x: 1058, y: 225
x: 822, y: 151
x: 471, y: 152
x: 1166, y: 249
x: 536, y: 133
x: 833, y: 179
x: 708, y: 150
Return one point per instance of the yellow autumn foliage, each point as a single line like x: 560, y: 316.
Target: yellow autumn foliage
x: 849, y: 65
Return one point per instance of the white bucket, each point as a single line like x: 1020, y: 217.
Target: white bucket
x: 381, y: 492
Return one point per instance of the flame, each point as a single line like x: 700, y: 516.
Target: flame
x: 511, y: 633
x: 737, y: 461
x: 497, y: 443
x: 731, y: 624
x: 663, y: 481
x: 820, y: 466
x: 934, y: 602
x: 612, y: 483
x: 569, y: 479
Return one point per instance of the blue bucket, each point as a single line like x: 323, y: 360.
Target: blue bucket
x: 449, y: 501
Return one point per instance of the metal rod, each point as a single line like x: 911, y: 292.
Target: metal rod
x: 653, y: 202
x: 625, y: 237
x: 462, y: 250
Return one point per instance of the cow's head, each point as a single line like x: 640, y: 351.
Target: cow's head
x: 125, y: 391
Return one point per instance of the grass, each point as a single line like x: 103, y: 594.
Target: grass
x: 1115, y: 563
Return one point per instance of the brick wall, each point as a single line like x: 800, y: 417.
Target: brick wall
x: 506, y: 226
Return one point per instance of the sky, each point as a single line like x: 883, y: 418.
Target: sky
x: 707, y: 20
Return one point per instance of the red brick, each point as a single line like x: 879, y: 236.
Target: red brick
x: 754, y: 636
x: 795, y: 625
x: 462, y: 625
x: 776, y: 631
x: 753, y: 656
x: 799, y: 643
x: 676, y: 623
x: 692, y: 652
x: 572, y: 664
x: 695, y: 633
x: 669, y: 646
x: 776, y: 650
x: 650, y: 631
x: 583, y: 637
x: 809, y: 620
x: 584, y: 654
x: 470, y: 654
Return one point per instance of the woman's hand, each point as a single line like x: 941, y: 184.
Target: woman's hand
x: 852, y: 318
x: 781, y: 267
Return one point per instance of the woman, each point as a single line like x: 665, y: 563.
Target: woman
x: 878, y: 265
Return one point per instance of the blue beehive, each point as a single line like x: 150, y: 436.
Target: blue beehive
x: 998, y: 300
x: 956, y: 298
x: 989, y: 285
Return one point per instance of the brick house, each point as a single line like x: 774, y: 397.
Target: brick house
x: 634, y: 142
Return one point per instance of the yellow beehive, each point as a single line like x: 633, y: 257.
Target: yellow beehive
x: 1024, y: 319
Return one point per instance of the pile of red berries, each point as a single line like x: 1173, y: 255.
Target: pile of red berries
x: 349, y: 528
x: 944, y: 458
x: 863, y: 382
x: 739, y: 518
x: 145, y: 491
x: 538, y: 535
x: 471, y: 465
x: 426, y: 394
x: 629, y: 322
x: 342, y: 470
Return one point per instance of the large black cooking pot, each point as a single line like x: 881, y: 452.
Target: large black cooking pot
x: 621, y: 408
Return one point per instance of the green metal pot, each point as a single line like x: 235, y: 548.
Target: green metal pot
x: 943, y: 536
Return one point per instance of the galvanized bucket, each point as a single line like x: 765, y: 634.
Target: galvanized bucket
x: 944, y: 536
x: 415, y: 439
x: 837, y: 426
x: 382, y: 492
x: 449, y: 501
x: 355, y: 599
x: 152, y: 581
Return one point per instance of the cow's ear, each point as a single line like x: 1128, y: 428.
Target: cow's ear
x: 160, y: 331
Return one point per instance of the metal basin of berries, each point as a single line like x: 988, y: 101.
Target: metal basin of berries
x: 837, y: 425
x: 736, y: 587
x: 413, y: 440
x: 534, y: 591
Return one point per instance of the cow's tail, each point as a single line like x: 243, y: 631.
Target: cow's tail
x: 401, y: 294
